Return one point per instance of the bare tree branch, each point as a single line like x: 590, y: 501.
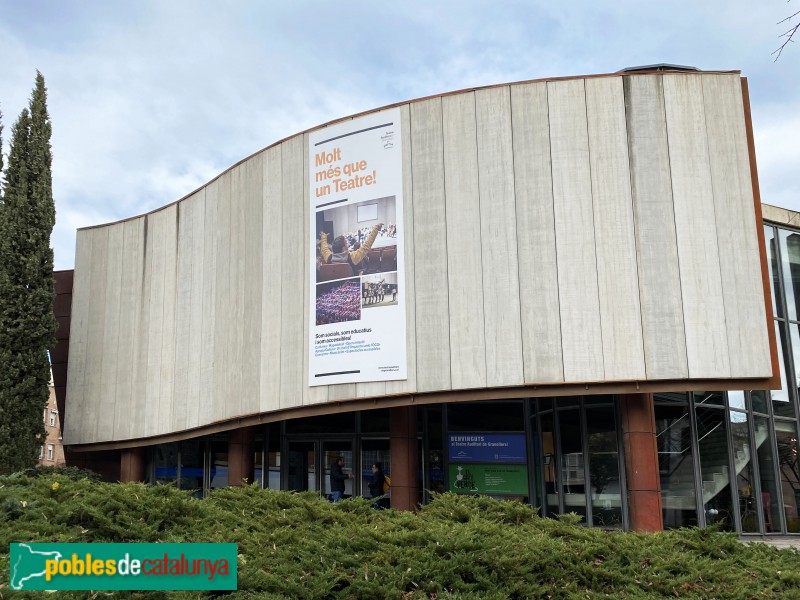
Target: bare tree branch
x: 788, y: 34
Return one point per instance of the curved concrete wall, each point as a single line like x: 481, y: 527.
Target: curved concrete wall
x: 581, y: 230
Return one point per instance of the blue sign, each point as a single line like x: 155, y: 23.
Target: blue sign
x: 486, y: 447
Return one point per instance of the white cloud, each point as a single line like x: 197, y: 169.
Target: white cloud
x: 151, y: 99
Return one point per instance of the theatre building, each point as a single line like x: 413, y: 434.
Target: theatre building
x: 564, y: 292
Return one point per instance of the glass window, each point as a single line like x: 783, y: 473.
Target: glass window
x: 486, y: 416
x: 375, y: 421
x: 192, y: 466
x: 374, y: 451
x: 714, y: 468
x: 766, y: 469
x: 745, y: 485
x: 676, y: 465
x: 258, y: 459
x: 435, y: 450
x: 790, y: 266
x: 772, y: 263
x: 550, y: 462
x: 736, y: 399
x: 218, y: 460
x: 53, y: 415
x: 273, y: 457
x: 604, y: 467
x: 781, y: 401
x: 759, y: 400
x: 50, y: 451
x: 335, y: 423
x: 166, y: 463
x: 786, y: 437
x: 708, y: 398
x: 573, y: 483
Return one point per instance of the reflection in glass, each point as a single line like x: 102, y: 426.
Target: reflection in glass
x: 219, y: 463
x: 790, y: 263
x: 604, y: 467
x: 772, y: 264
x: 714, y: 468
x: 192, y: 467
x: 786, y: 437
x: 330, y: 452
x: 301, y: 470
x: 373, y: 451
x: 736, y: 399
x: 538, y: 460
x: 766, y: 469
x: 573, y: 484
x: 166, y: 459
x: 709, y: 398
x: 745, y: 485
x: 675, y: 465
x: 759, y: 400
x: 549, y: 460
x: 781, y: 402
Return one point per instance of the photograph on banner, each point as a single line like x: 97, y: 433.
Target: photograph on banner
x: 379, y: 290
x: 338, y: 301
x: 356, y: 240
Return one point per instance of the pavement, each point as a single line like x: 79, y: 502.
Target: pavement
x: 779, y: 541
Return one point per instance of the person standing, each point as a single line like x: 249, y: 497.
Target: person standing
x: 376, y: 483
x: 338, y: 477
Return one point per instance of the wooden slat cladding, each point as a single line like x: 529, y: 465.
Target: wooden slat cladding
x: 561, y: 232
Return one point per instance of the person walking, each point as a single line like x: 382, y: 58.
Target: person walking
x: 338, y: 477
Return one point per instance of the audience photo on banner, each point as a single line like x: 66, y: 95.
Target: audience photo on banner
x: 338, y: 302
x: 356, y: 239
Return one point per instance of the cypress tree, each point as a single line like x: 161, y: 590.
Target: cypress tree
x: 27, y: 324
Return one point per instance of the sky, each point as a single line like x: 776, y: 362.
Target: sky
x: 150, y: 100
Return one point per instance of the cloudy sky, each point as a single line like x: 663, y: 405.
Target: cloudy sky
x: 150, y: 100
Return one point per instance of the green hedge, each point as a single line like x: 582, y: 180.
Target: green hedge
x: 300, y: 546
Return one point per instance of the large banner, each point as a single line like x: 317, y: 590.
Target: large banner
x: 486, y: 447
x: 357, y: 327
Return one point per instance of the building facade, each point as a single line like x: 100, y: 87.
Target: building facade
x: 575, y: 263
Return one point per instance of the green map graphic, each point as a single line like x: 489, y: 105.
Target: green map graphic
x: 26, y: 564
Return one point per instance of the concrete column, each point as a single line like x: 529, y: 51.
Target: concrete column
x: 133, y: 466
x: 240, y: 456
x: 641, y: 462
x: 404, y: 457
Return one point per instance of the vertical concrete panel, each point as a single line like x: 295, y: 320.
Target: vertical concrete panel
x: 183, y: 311
x: 430, y: 247
x: 272, y: 238
x: 656, y: 246
x: 253, y: 274
x: 581, y: 335
x: 463, y: 224
x: 98, y: 300
x: 78, y: 339
x: 168, y: 222
x: 536, y: 241
x: 156, y: 266
x: 194, y: 348
x: 701, y: 285
x: 293, y: 299
x: 410, y: 384
x: 141, y: 345
x: 205, y: 405
x: 502, y: 328
x: 740, y: 265
x: 125, y: 393
x: 111, y: 333
x: 615, y: 238
x: 224, y: 378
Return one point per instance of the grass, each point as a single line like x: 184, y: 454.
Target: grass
x: 300, y: 546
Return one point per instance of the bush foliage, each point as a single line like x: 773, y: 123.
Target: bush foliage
x: 300, y: 546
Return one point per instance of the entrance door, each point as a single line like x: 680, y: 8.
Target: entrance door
x: 301, y: 466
